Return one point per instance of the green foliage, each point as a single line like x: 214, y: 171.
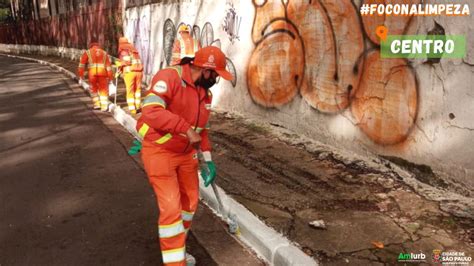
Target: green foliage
x: 4, y: 15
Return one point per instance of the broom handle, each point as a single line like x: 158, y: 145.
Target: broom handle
x: 213, y: 184
x: 221, y: 207
x: 116, y: 91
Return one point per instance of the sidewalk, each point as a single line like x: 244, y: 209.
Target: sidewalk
x: 372, y: 213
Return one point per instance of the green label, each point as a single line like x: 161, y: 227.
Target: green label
x: 423, y: 46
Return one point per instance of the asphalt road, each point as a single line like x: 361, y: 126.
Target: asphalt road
x: 69, y: 193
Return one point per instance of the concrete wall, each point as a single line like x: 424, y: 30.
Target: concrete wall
x: 313, y: 67
x: 65, y: 52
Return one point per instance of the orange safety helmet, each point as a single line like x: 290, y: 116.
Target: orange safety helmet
x: 211, y: 57
x: 184, y: 28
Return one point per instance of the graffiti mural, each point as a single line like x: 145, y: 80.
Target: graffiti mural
x: 205, y: 37
x: 140, y: 30
x: 318, y: 41
x: 385, y: 104
x: 316, y: 49
x: 231, y: 23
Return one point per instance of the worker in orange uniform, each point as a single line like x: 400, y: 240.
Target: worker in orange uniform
x: 100, y: 74
x: 174, y: 125
x: 184, y: 46
x: 132, y: 71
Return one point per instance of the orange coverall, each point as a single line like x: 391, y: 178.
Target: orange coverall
x: 132, y: 70
x: 172, y: 106
x: 184, y: 46
x: 100, y: 72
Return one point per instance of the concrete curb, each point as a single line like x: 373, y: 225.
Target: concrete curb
x: 266, y: 242
x: 270, y: 245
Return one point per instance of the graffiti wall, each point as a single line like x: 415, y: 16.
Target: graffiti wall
x: 315, y: 67
x: 153, y: 29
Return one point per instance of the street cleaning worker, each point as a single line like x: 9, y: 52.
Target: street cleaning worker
x: 99, y: 72
x: 130, y: 65
x: 174, y: 125
x: 184, y: 46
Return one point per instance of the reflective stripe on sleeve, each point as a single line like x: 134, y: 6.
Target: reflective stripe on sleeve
x: 164, y: 139
x: 152, y: 99
x: 143, y: 130
x: 96, y: 65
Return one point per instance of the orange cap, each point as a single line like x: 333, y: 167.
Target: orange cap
x: 123, y: 40
x: 211, y: 57
x: 126, y: 46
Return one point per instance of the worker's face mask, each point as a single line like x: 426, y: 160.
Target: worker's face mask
x: 207, y: 83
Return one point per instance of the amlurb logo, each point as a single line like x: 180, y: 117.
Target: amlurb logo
x: 411, y: 257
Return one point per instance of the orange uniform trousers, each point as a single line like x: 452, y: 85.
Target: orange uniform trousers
x: 133, y: 85
x: 174, y: 178
x: 100, y: 91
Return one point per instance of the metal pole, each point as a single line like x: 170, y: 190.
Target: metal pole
x: 116, y: 91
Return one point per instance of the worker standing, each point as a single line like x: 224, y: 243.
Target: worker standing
x: 184, y: 46
x: 100, y: 74
x: 174, y: 125
x: 132, y: 71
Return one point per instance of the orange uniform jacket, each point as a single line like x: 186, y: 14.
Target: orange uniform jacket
x: 184, y: 46
x: 171, y: 107
x: 97, y: 61
x: 130, y: 59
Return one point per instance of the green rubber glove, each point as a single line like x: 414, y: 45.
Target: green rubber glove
x: 136, y: 147
x: 208, y: 174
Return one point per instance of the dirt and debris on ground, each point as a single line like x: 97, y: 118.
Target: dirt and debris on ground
x: 288, y: 187
x: 371, y: 216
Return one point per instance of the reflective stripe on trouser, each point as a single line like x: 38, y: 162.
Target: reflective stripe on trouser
x: 95, y: 100
x: 131, y: 104
x: 138, y: 98
x: 133, y: 82
x: 99, y: 84
x: 187, y: 217
x: 174, y: 179
x: 104, y: 102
